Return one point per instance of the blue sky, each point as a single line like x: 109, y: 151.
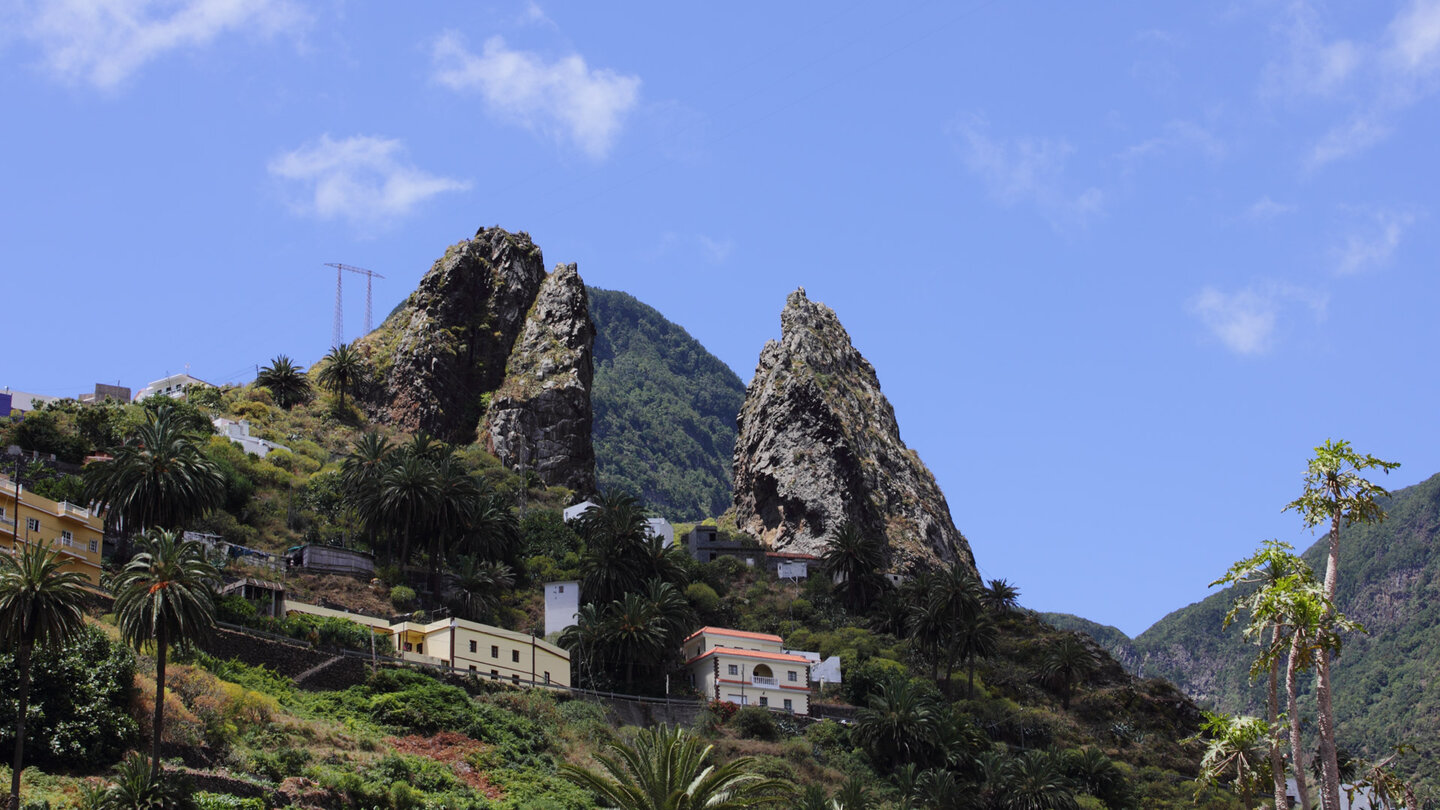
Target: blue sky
x: 1119, y: 267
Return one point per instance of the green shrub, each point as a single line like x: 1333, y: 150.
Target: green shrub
x: 755, y: 723
x: 224, y: 801
x: 402, y: 596
x: 703, y: 597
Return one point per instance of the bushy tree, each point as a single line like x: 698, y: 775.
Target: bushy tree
x: 286, y: 381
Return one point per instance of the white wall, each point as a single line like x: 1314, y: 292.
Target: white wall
x: 562, y: 605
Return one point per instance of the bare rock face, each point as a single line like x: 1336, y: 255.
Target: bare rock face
x: 541, y: 414
x: 818, y: 445
x: 437, y: 355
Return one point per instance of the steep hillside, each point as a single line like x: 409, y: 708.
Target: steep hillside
x: 1386, y: 689
x: 664, y: 410
x: 1112, y: 639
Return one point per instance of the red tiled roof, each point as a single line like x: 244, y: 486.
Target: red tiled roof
x: 722, y: 631
x: 768, y: 656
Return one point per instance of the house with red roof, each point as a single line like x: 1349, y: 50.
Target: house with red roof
x: 747, y: 669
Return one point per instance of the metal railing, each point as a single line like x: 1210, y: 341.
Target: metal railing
x: 761, y: 680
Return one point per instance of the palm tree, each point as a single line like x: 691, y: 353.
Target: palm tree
x: 668, y: 769
x: 584, y: 638
x: 165, y: 596
x: 477, y: 587
x: 1335, y: 493
x: 1236, y: 749
x: 976, y: 636
x: 1035, y: 780
x: 634, y: 632
x: 286, y: 381
x: 456, y: 499
x: 158, y: 477
x: 408, y: 493
x: 857, y: 561
x: 614, y: 561
x: 360, y: 477
x: 1001, y: 597
x: 1066, y: 662
x: 341, y: 371
x: 901, y: 724
x: 39, y: 604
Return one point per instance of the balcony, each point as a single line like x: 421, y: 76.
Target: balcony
x: 761, y: 680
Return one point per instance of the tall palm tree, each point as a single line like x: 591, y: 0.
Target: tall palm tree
x: 668, y: 769
x: 409, y: 491
x: 286, y: 381
x: 614, y: 561
x: 976, y: 636
x: 477, y: 587
x: 634, y: 631
x: 165, y: 596
x: 456, y: 500
x: 584, y: 638
x: 1068, y: 661
x: 341, y: 371
x: 360, y: 477
x: 857, y: 561
x: 39, y: 604
x: 1336, y: 493
x: 1036, y: 780
x: 157, y: 479
x: 1001, y: 597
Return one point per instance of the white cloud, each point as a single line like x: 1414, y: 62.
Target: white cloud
x: 1415, y: 37
x: 1373, y: 245
x: 717, y: 250
x: 1027, y: 170
x: 104, y: 42
x: 1310, y: 65
x: 1266, y: 208
x: 1178, y: 135
x: 362, y: 179
x: 1246, y: 321
x: 1357, y: 135
x: 561, y: 98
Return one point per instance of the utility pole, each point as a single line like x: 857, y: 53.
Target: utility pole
x: 337, y: 331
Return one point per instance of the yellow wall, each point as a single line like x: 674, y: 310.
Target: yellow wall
x: 45, y: 522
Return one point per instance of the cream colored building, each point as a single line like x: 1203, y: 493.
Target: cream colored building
x: 466, y: 646
x: 747, y: 669
x: 75, y: 531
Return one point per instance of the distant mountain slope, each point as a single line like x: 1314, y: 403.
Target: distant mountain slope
x: 664, y: 411
x: 1113, y: 639
x: 1387, y: 682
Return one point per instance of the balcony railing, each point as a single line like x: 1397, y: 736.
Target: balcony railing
x: 761, y: 680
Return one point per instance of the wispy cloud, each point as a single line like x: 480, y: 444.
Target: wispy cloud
x: 1178, y: 135
x: 1309, y: 63
x: 1246, y: 321
x: 1414, y: 42
x: 1372, y: 244
x: 1027, y: 170
x: 1354, y: 136
x: 105, y: 42
x: 363, y: 179
x: 718, y: 250
x: 1266, y: 208
x: 564, y: 98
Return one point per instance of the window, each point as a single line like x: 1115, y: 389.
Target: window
x: 94, y: 546
x: 472, y: 667
x: 32, y: 524
x: 472, y: 645
x: 789, y: 705
x: 420, y: 647
x: 494, y: 651
x: 559, y: 588
x: 66, y: 538
x: 2, y: 513
x: 408, y: 647
x: 495, y: 674
x: 790, y: 676
x: 764, y: 702
x: 515, y: 679
x: 734, y: 670
x: 515, y: 656
x: 547, y: 679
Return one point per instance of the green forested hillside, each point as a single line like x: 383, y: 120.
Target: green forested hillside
x: 1386, y: 689
x: 664, y: 411
x: 1113, y: 639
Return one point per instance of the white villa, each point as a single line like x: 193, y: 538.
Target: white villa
x: 747, y: 669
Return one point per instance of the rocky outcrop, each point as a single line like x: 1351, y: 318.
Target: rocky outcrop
x: 487, y: 335
x: 441, y: 351
x: 541, y: 415
x: 818, y: 445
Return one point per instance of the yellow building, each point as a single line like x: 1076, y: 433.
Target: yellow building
x: 747, y: 669
x: 466, y: 647
x: 77, y: 532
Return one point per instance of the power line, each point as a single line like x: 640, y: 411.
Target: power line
x: 337, y: 335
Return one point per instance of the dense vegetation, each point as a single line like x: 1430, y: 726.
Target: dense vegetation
x: 665, y: 411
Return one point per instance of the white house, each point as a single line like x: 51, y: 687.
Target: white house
x: 562, y: 605
x: 239, y: 432
x: 660, y: 527
x: 821, y: 671
x: 747, y: 669
x: 173, y: 386
x: 573, y: 512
